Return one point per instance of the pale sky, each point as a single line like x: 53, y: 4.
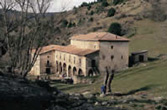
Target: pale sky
x: 58, y: 5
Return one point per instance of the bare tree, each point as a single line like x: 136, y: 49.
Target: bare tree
x: 108, y: 79
x: 24, y: 32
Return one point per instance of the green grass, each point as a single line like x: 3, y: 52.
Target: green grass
x: 150, y: 36
x: 150, y: 78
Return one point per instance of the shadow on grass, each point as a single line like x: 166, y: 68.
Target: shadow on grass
x: 67, y: 87
x: 73, y: 87
x: 146, y: 88
x: 151, y: 59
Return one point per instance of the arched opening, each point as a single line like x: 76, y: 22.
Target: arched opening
x: 60, y: 68
x: 64, y: 70
x: 69, y: 71
x: 74, y: 71
x: 90, y: 73
x: 57, y: 66
x: 80, y: 73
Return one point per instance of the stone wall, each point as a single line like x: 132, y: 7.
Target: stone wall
x: 47, y: 62
x: 40, y: 65
x: 85, y: 44
x: 36, y: 68
x: 92, y: 69
x: 140, y: 57
x: 114, y: 55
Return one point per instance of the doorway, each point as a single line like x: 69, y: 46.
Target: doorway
x: 48, y: 71
x: 93, y: 63
x: 141, y: 58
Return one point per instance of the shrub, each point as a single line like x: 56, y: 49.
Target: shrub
x: 89, y: 7
x: 99, y: 0
x: 104, y: 3
x: 71, y: 25
x: 92, y: 12
x: 84, y: 4
x: 91, y: 19
x: 111, y: 12
x: 64, y: 23
x: 115, y: 28
x: 115, y: 2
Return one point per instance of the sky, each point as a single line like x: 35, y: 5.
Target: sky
x: 61, y: 5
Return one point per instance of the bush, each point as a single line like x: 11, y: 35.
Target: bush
x: 99, y: 0
x: 92, y: 12
x: 115, y: 28
x: 89, y: 7
x: 84, y: 4
x: 111, y: 12
x: 104, y: 3
x: 91, y: 19
x: 71, y: 25
x: 115, y: 2
x: 64, y: 23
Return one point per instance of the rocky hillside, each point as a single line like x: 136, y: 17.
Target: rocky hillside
x: 95, y: 17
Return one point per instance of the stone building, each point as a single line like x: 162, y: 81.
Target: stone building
x: 87, y: 54
x: 140, y: 56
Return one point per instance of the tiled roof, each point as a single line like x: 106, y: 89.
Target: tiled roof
x: 67, y: 49
x: 140, y: 52
x: 99, y: 36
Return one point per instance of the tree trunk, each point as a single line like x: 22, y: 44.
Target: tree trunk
x: 108, y: 79
x: 111, y: 76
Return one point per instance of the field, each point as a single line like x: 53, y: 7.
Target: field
x: 149, y: 77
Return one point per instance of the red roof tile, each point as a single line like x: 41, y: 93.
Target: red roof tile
x: 99, y: 36
x: 67, y: 49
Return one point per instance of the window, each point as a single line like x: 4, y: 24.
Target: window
x: 93, y: 63
x: 47, y: 63
x: 112, y: 47
x: 64, y: 57
x: 74, y: 60
x: 112, y: 57
x: 103, y: 57
x: 69, y: 58
x: 48, y: 56
x: 122, y: 57
x: 80, y: 62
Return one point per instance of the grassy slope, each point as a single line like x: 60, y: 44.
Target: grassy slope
x: 149, y: 78
x: 150, y: 36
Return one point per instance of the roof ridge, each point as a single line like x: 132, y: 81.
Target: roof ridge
x: 103, y: 36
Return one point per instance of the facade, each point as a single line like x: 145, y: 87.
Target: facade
x: 87, y: 55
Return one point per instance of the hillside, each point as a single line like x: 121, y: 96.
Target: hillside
x: 140, y: 22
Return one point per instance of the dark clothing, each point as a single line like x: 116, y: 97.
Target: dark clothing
x: 103, y: 89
